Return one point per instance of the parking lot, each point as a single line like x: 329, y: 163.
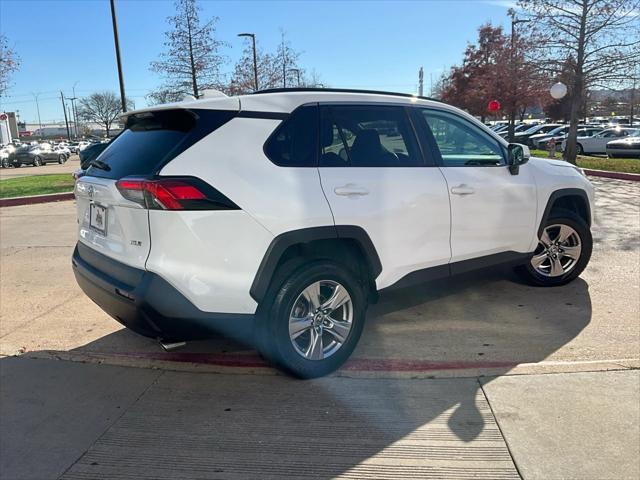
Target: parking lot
x: 69, y: 166
x: 451, y: 379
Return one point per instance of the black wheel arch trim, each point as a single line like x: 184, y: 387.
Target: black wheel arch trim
x: 564, y: 192
x: 282, y: 242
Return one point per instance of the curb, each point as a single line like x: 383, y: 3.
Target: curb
x: 634, y: 177
x: 251, y: 364
x: 51, y: 197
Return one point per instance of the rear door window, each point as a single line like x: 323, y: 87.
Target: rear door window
x: 367, y: 136
x: 152, y: 139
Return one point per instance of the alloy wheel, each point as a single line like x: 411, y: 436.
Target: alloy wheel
x: 320, y: 320
x: 558, y: 251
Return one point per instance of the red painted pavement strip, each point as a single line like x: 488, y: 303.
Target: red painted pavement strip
x: 355, y: 364
x: 634, y: 177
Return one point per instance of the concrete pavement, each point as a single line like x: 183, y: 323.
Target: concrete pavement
x: 486, y: 323
x: 493, y: 419
x: 82, y: 421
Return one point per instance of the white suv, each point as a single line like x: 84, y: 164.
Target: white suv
x: 276, y: 217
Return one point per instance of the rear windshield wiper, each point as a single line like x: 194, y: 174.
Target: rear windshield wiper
x: 99, y: 164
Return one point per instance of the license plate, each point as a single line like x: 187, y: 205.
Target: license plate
x: 98, y: 217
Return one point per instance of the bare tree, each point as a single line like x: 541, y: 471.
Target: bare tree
x: 191, y: 62
x: 242, y: 79
x: 164, y: 95
x: 102, y: 108
x: 286, y: 61
x: 9, y: 63
x: 602, y: 36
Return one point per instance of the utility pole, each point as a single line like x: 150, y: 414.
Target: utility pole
x: 75, y: 116
x: 35, y: 95
x: 64, y: 109
x: 421, y: 82
x: 119, y: 62
x: 255, y: 58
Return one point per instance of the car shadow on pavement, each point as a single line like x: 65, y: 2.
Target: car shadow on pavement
x: 191, y: 425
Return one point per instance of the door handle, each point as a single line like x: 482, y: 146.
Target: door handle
x: 462, y: 189
x: 350, y: 190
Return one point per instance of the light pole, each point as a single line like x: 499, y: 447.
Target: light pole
x: 35, y: 95
x: 297, y: 70
x: 119, y: 62
x: 514, y: 73
x: 255, y: 57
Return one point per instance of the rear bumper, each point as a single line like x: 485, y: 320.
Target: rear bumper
x: 149, y: 305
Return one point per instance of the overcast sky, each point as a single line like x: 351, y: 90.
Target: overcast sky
x: 357, y: 44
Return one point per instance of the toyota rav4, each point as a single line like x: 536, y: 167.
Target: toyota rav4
x: 277, y: 217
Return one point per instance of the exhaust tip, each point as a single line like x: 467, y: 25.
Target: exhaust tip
x: 171, y: 346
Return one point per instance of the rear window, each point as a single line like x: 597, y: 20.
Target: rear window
x: 152, y: 139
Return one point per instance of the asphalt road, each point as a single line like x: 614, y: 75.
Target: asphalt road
x: 501, y: 415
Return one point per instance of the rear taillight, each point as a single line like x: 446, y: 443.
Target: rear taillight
x: 173, y: 193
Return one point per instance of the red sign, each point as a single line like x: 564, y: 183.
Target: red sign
x: 3, y: 116
x: 494, y: 106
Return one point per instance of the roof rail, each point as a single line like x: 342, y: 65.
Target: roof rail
x: 342, y: 90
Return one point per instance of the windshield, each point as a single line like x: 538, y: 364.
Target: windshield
x: 533, y: 129
x: 557, y: 130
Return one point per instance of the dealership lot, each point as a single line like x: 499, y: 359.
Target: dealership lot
x: 392, y: 420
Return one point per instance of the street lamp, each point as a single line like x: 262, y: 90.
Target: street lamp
x: 255, y: 57
x: 297, y: 70
x: 514, y: 73
x: 116, y: 41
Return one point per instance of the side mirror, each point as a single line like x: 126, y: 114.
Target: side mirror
x: 518, y: 154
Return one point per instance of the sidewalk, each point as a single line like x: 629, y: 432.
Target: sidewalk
x: 82, y: 421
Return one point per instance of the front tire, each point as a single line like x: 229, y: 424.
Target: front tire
x: 315, y: 320
x: 562, y: 253
x: 579, y: 149
x: 61, y: 159
x: 37, y: 162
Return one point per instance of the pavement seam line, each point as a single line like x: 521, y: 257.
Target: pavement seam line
x: 504, y: 438
x: 37, y: 317
x: 108, y: 427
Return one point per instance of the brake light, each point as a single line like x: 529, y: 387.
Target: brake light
x: 174, y: 194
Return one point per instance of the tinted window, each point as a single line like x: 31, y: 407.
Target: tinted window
x: 295, y: 141
x: 367, y: 136
x: 151, y: 139
x: 461, y: 143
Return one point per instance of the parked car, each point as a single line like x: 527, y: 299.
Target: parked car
x: 283, y: 226
x: 64, y: 149
x: 518, y: 128
x: 535, y: 139
x: 37, y: 155
x: 523, y: 137
x: 598, y: 142
x: 625, y: 147
x: 4, y: 157
x: 582, y: 132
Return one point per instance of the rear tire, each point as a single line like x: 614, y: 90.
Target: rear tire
x: 37, y: 162
x: 302, y: 333
x: 556, y: 262
x: 579, y: 149
x: 61, y: 159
